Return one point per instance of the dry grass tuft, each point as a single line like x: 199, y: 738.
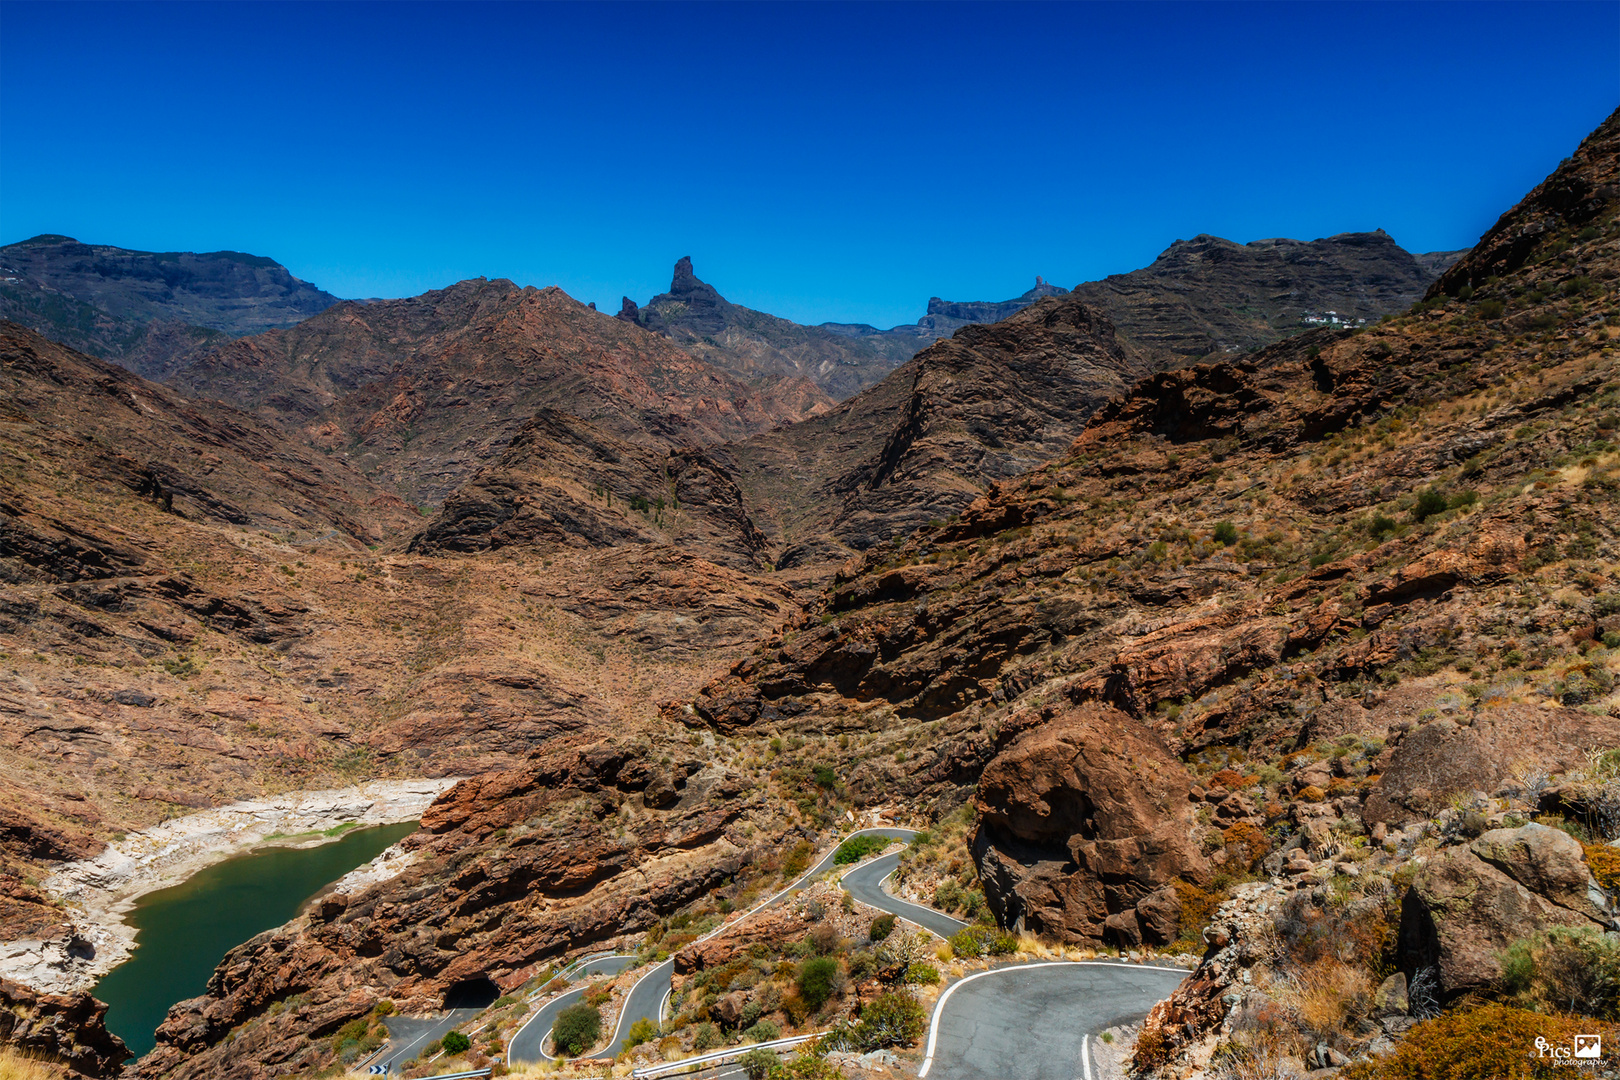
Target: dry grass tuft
x: 17, y: 1065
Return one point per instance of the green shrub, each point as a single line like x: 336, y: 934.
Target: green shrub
x: 1225, y: 533
x: 577, y: 1029
x: 816, y: 979
x: 455, y: 1042
x: 891, y: 1019
x: 643, y: 1030
x: 882, y: 927
x: 1430, y: 501
x: 798, y: 859
x: 1611, y: 639
x: 757, y: 1064
x: 1567, y: 970
x: 707, y: 1037
x: 921, y: 974
x: 764, y: 1031
x: 948, y: 896
x: 971, y: 942
x: 857, y: 848
x: 1382, y: 525
x: 825, y: 777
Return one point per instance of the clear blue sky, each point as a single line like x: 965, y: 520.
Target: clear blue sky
x: 836, y: 161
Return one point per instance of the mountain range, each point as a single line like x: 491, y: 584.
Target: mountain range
x: 1139, y: 597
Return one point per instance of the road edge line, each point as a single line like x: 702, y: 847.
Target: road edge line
x: 939, y: 1006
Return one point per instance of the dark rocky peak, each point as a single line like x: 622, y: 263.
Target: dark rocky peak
x: 1563, y: 211
x: 149, y: 311
x: 628, y: 311
x: 946, y: 316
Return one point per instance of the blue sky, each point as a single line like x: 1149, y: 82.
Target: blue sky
x: 826, y: 162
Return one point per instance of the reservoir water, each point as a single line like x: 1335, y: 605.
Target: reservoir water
x: 184, y: 931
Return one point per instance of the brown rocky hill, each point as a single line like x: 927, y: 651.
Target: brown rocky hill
x: 986, y: 404
x: 419, y: 393
x: 147, y: 310
x: 565, y: 482
x: 1337, y: 563
x: 1212, y: 297
x: 193, y: 611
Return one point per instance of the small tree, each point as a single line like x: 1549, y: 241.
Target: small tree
x: 455, y: 1042
x: 757, y: 1063
x: 577, y: 1029
x: 816, y: 980
x: 882, y: 927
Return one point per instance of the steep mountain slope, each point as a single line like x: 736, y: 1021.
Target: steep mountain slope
x: 147, y: 310
x: 419, y: 393
x: 986, y: 404
x: 1398, y: 543
x: 193, y: 611
x: 1349, y: 535
x: 1211, y: 296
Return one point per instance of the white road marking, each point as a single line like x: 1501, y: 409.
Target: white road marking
x: 939, y: 1006
x: 1085, y: 1056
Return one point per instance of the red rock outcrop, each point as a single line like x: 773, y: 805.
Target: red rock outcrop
x: 69, y: 1029
x: 1084, y: 819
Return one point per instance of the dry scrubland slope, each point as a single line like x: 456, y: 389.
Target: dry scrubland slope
x: 1263, y: 614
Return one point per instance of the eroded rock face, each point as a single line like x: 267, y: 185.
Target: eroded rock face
x: 511, y: 870
x: 66, y: 1028
x: 1085, y: 819
x: 1424, y: 765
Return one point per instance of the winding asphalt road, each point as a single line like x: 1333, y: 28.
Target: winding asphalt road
x: 406, y: 1036
x: 528, y: 1044
x: 1026, y: 1020
x: 865, y: 882
x: 1033, y: 1021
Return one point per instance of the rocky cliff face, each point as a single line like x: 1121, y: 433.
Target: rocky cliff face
x: 149, y: 311
x: 514, y: 869
x: 420, y: 393
x: 67, y: 1029
x: 987, y: 404
x: 1208, y: 296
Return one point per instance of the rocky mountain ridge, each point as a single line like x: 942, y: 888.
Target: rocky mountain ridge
x: 419, y: 393
x: 147, y: 310
x: 1212, y: 297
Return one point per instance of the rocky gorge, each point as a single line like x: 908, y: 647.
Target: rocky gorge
x: 1229, y: 657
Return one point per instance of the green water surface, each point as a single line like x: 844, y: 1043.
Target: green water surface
x: 184, y: 931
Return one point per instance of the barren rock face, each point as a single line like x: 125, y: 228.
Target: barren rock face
x: 1084, y: 814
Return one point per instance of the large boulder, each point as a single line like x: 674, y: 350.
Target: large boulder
x: 67, y: 1028
x: 1084, y: 817
x: 1462, y: 912
x: 1548, y: 862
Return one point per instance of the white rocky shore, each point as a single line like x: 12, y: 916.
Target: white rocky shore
x: 97, y: 893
